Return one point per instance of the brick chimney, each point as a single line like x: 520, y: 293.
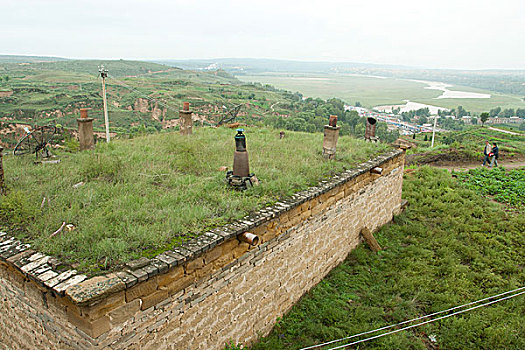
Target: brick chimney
x: 370, y: 132
x: 186, y: 123
x: 85, y: 130
x: 331, y: 135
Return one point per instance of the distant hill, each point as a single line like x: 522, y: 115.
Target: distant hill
x: 262, y: 65
x: 505, y: 81
x: 28, y: 59
x: 117, y: 68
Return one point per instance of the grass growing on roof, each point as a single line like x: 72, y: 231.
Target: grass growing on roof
x: 148, y: 193
x: 450, y: 247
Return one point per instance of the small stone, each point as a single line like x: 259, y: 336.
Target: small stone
x: 127, y: 278
x: 137, y: 264
x: 78, y: 184
x: 46, y: 276
x: 139, y: 274
x: 95, y: 288
x: 168, y: 260
x: 151, y: 270
x: 35, y: 264
x: 62, y: 277
x: 61, y: 287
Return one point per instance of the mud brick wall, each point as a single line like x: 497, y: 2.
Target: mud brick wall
x: 210, y: 290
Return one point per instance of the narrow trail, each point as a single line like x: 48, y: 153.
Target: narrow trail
x: 507, y: 164
x: 505, y: 131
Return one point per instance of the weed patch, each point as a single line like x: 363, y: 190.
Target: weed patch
x: 506, y: 187
x: 449, y: 247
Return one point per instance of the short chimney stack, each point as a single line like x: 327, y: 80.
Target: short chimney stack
x: 370, y: 131
x: 241, y: 166
x: 331, y: 135
x: 186, y: 123
x: 240, y: 177
x: 85, y: 130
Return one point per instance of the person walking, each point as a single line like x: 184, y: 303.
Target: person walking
x: 486, y: 152
x: 495, y: 155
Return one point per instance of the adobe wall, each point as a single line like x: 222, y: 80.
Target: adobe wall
x: 211, y: 290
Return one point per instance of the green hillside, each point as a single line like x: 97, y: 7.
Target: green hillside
x: 139, y: 94
x: 146, y: 97
x: 28, y: 59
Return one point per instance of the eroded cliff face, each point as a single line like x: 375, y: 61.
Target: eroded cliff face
x: 158, y: 113
x: 141, y: 105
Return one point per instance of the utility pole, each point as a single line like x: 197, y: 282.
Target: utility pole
x: 104, y: 73
x: 434, y: 130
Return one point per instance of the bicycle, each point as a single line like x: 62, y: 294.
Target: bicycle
x: 36, y: 141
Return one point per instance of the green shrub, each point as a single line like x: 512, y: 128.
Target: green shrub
x: 71, y: 144
x: 101, y: 167
x: 231, y: 346
x: 16, y: 209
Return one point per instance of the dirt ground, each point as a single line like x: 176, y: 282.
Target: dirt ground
x: 463, y: 166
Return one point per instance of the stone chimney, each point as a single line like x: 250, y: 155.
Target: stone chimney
x: 85, y: 130
x: 186, y: 123
x: 240, y: 178
x: 241, y: 166
x: 370, y: 132
x: 331, y: 135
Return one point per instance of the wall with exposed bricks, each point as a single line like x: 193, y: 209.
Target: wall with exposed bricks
x: 212, y: 289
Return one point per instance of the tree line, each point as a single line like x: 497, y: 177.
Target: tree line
x: 311, y: 115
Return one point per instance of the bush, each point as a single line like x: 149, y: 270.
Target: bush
x: 102, y: 167
x: 16, y: 209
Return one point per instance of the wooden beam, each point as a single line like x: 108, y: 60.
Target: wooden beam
x: 369, y: 238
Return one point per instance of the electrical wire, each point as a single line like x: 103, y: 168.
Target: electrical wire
x: 419, y: 318
x: 426, y: 322
x: 151, y: 99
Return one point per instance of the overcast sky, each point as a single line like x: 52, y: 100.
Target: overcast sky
x: 469, y: 34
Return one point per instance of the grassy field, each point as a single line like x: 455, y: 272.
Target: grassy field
x: 465, y: 146
x: 371, y: 91
x: 148, y: 193
x: 450, y: 247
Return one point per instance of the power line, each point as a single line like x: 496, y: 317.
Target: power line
x: 151, y: 99
x: 419, y: 318
x: 429, y: 321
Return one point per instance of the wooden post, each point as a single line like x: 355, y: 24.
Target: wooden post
x: 2, y: 183
x: 434, y: 131
x: 369, y: 238
x: 104, y: 73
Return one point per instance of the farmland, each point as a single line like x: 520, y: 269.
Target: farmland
x: 373, y: 91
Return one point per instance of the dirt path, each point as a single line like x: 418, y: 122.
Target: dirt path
x: 509, y: 164
x: 505, y: 131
